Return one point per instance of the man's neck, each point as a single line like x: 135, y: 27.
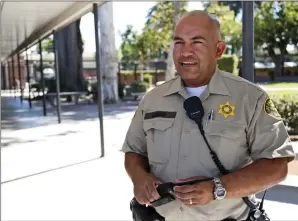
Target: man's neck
x: 199, y: 82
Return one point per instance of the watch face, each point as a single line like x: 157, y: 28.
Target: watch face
x: 220, y: 193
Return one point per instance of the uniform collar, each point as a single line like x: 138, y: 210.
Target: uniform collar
x: 216, y: 86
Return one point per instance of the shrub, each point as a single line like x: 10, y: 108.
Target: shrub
x: 139, y: 87
x: 228, y: 63
x: 148, y: 79
x: 287, y: 107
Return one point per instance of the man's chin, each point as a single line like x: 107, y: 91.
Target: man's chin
x: 187, y: 75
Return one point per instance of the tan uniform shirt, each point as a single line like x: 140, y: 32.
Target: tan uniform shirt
x: 245, y: 127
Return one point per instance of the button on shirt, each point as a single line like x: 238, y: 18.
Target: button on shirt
x: 245, y: 127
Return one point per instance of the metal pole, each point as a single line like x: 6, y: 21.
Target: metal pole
x: 14, y: 77
x: 58, y: 105
x: 4, y: 77
x: 28, y: 78
x: 248, y: 40
x: 20, y: 77
x: 99, y: 79
x: 42, y: 80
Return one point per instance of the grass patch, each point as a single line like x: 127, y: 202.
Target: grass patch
x: 282, y: 93
x: 280, y: 85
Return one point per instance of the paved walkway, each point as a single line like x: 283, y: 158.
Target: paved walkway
x: 52, y: 172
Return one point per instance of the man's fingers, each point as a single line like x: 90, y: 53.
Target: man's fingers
x: 190, y: 202
x: 185, y: 196
x: 141, y: 200
x: 184, y: 189
x: 189, y: 179
x: 153, y: 192
x: 150, y: 193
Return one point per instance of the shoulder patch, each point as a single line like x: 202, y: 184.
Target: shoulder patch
x: 270, y: 109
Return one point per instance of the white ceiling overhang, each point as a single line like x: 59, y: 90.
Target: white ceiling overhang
x: 23, y: 23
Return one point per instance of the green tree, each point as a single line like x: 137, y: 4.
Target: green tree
x: 275, y: 27
x: 136, y: 48
x: 235, y: 6
x: 231, y: 30
x: 160, y: 24
x: 128, y: 47
x: 47, y: 44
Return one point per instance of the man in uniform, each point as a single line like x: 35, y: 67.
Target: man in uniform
x: 241, y: 125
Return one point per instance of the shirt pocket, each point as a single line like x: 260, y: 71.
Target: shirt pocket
x: 228, y: 141
x: 158, y: 136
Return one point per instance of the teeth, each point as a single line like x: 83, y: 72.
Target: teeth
x: 188, y: 62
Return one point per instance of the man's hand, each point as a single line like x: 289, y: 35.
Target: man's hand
x: 145, y: 188
x: 198, y: 194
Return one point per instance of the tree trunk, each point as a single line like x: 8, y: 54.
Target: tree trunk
x: 276, y: 61
x: 170, y: 71
x: 108, y: 53
x: 70, y: 49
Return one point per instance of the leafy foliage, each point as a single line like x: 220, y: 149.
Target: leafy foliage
x: 228, y: 63
x: 276, y: 24
x: 231, y: 29
x: 128, y: 47
x: 276, y: 27
x: 287, y: 107
x: 139, y: 87
x: 160, y: 21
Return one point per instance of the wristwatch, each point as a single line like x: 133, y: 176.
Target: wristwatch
x: 219, y: 189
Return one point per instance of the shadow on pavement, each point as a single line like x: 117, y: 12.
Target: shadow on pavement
x: 51, y: 170
x: 7, y: 141
x: 15, y: 116
x: 281, y: 193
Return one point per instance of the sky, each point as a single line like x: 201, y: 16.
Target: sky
x: 124, y: 13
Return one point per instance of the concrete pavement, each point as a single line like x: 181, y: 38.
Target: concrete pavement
x: 52, y: 172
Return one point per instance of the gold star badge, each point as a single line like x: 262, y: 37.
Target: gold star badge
x: 226, y: 109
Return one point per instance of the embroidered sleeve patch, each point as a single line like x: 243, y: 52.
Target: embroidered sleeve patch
x: 270, y: 109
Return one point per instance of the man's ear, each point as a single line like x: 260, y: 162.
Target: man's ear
x: 221, y: 47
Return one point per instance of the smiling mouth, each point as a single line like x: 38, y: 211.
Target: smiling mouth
x: 188, y: 63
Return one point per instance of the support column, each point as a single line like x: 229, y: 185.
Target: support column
x: 99, y: 79
x: 248, y: 40
x: 3, y: 77
x: 42, y: 80
x: 55, y: 49
x: 20, y: 77
x: 13, y: 77
x: 9, y: 76
x: 6, y: 76
x: 28, y: 79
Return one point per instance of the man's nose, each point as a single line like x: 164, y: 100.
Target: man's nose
x: 187, y: 51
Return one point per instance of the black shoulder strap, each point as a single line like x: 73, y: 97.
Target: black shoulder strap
x: 224, y: 171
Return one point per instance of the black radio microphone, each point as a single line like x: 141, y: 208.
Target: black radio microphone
x: 194, y: 109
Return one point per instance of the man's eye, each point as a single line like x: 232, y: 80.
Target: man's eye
x: 178, y: 42
x: 198, y: 42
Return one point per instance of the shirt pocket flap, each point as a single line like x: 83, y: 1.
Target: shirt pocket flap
x: 158, y: 124
x: 224, y: 129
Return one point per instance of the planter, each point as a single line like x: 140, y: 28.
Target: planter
x: 138, y: 95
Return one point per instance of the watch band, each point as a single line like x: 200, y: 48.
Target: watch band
x: 217, y: 182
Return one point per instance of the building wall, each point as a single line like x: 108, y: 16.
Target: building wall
x: 13, y: 73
